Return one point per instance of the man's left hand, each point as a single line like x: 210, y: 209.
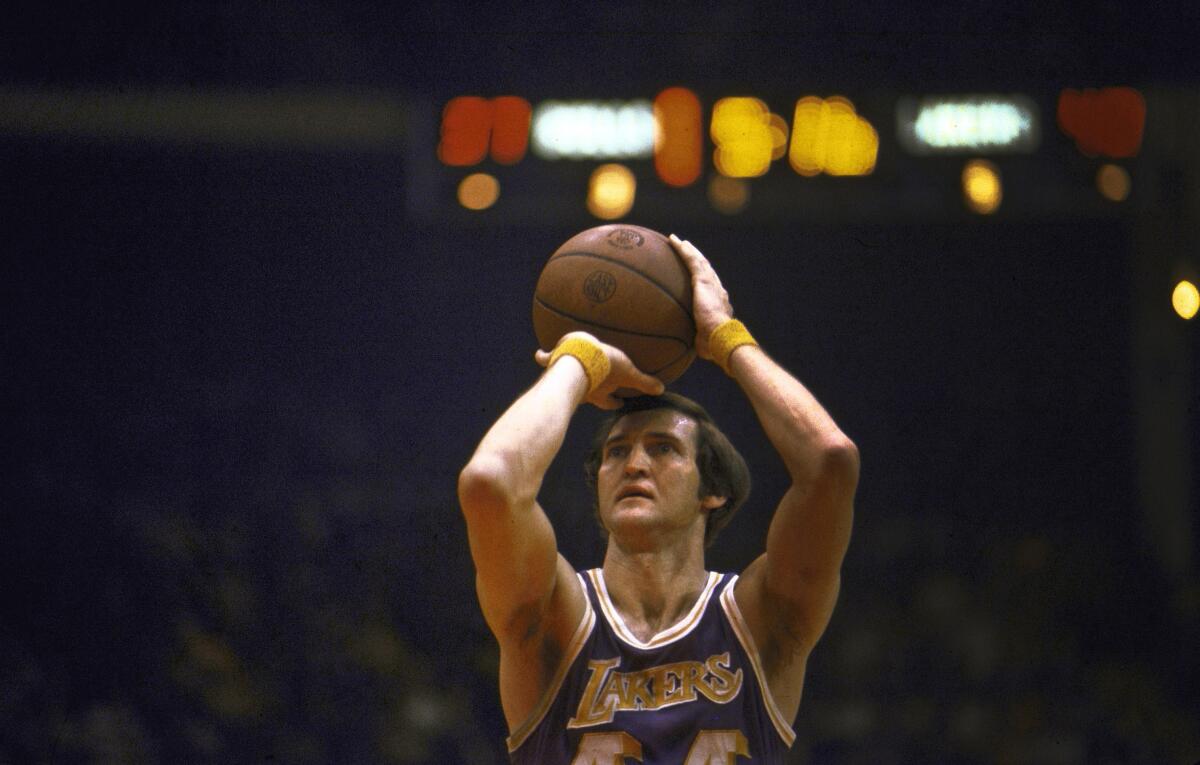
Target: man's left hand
x: 710, y: 302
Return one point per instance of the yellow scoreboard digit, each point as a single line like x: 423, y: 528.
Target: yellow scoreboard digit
x: 829, y: 137
x: 746, y: 137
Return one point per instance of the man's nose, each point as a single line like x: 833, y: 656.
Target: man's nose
x: 638, y: 460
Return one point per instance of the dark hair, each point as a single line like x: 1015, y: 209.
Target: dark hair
x: 723, y: 472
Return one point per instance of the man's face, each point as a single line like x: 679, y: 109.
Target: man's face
x: 648, y: 479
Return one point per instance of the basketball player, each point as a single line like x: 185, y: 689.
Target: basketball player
x: 651, y: 658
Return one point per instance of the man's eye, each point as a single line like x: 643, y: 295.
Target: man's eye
x: 664, y: 448
x: 618, y: 451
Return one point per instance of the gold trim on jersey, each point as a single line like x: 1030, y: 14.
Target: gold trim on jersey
x: 573, y: 648
x: 743, y: 634
x: 670, y: 634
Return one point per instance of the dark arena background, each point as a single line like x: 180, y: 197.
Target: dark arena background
x: 267, y: 279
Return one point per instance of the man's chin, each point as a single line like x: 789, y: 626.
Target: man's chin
x: 633, y: 515
x: 633, y: 508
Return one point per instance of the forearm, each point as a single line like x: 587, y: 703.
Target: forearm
x: 517, y: 450
x: 805, y: 435
x: 810, y: 530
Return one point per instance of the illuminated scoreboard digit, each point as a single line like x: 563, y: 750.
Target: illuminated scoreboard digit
x: 593, y: 130
x: 473, y: 127
x: 968, y: 124
x: 747, y: 137
x: 828, y: 136
x: 1106, y: 122
x: 678, y: 142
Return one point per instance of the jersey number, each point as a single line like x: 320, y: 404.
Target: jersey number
x: 710, y: 747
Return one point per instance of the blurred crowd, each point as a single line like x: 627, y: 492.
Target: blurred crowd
x: 280, y: 623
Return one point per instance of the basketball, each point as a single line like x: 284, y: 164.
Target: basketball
x: 625, y: 285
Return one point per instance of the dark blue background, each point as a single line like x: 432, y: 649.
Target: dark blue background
x: 240, y: 384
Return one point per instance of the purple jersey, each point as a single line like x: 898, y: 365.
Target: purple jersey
x: 694, y: 694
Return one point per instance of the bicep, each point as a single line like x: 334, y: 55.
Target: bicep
x: 514, y: 574
x: 515, y: 554
x: 800, y: 573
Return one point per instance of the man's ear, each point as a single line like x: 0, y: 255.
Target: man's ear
x: 712, y: 502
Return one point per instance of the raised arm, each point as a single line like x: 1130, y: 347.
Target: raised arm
x: 530, y: 597
x: 787, y: 595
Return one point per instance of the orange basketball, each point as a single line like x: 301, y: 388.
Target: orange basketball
x: 625, y: 285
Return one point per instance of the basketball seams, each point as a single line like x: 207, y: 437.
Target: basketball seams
x: 686, y: 348
x: 617, y: 262
x: 673, y: 361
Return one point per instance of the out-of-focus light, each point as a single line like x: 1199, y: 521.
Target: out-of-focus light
x: 593, y: 130
x: 478, y: 191
x: 1186, y: 299
x: 742, y: 131
x: 981, y: 186
x: 466, y: 127
x: 728, y: 195
x: 611, y: 190
x: 829, y: 137
x: 471, y: 125
x: 1113, y: 182
x: 1106, y: 122
x: 968, y: 123
x: 779, y: 135
x: 678, y: 142
x: 510, y: 129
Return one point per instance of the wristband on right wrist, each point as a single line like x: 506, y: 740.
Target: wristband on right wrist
x: 594, y: 360
x: 729, y: 336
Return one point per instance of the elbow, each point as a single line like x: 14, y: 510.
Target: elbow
x: 482, y: 486
x: 492, y: 483
x: 830, y: 465
x: 839, y: 461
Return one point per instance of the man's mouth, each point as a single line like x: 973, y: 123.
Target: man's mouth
x: 634, y: 491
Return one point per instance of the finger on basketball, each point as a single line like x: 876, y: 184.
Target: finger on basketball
x: 688, y: 251
x: 649, y: 384
x: 608, y: 402
x: 685, y: 249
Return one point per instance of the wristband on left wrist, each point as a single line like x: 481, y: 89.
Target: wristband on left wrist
x: 725, y: 339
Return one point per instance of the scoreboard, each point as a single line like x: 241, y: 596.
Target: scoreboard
x: 805, y: 156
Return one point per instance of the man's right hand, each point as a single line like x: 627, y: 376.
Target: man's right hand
x: 622, y: 374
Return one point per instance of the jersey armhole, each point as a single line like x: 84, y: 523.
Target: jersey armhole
x: 573, y: 648
x: 742, y: 630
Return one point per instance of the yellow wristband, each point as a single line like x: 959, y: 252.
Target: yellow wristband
x: 725, y: 338
x: 594, y: 360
